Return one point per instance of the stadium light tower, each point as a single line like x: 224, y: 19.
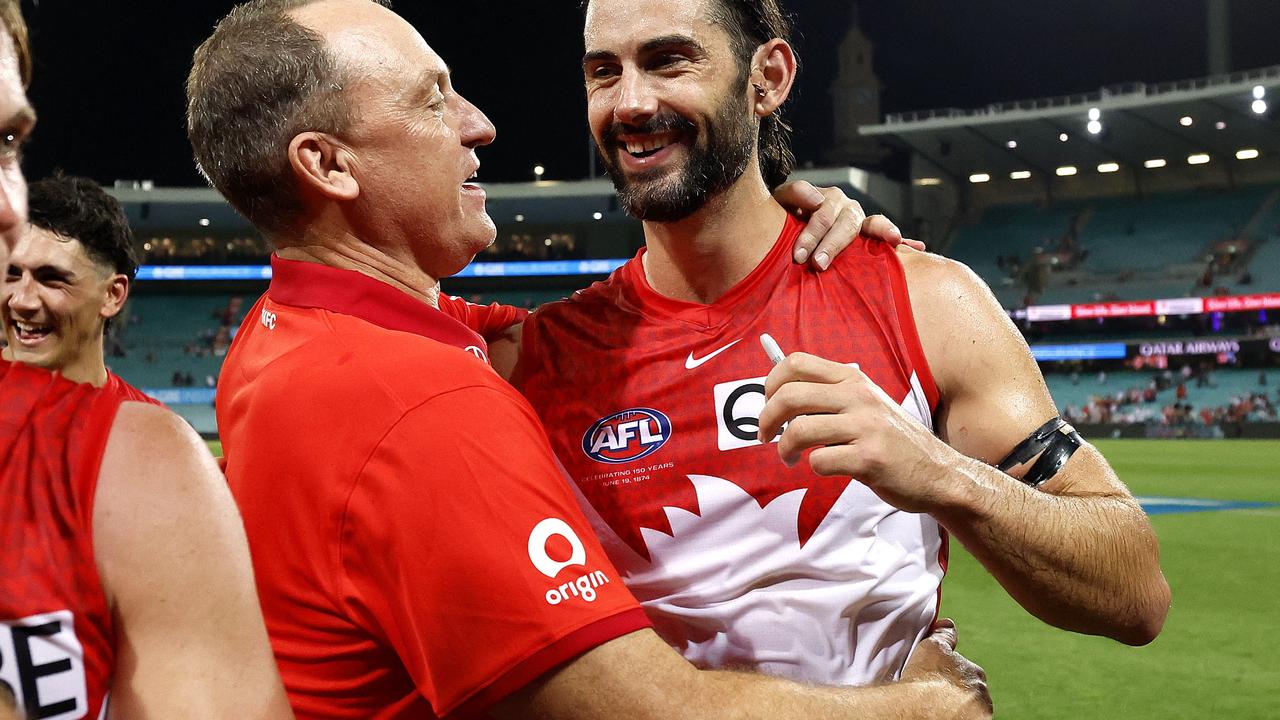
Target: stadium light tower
x: 1095, y: 121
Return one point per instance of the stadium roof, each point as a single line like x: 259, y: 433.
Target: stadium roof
x: 1134, y: 126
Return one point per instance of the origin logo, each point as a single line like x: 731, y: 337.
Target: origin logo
x: 626, y: 436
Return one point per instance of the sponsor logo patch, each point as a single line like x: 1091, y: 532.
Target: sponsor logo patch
x: 738, y: 407
x: 626, y: 436
x: 556, y: 532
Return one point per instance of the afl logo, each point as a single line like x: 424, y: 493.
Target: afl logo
x: 627, y: 436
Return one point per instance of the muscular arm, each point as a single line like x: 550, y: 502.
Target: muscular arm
x: 1078, y: 552
x: 173, y: 559
x: 638, y: 676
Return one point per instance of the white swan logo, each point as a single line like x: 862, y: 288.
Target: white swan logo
x: 583, y: 586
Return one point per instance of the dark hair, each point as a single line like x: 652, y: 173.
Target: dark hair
x: 78, y: 208
x: 11, y: 15
x: 259, y: 80
x: 750, y: 24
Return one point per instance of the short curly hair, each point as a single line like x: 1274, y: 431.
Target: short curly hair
x: 78, y: 208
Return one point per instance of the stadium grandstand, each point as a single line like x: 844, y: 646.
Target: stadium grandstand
x: 1133, y: 234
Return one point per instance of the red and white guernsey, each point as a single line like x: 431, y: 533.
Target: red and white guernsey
x: 57, y: 639
x: 652, y: 406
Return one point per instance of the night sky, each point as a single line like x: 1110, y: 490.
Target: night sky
x: 109, y: 73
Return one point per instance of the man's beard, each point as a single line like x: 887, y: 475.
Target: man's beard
x: 666, y: 195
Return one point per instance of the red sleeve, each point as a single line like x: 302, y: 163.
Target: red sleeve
x: 485, y: 320
x: 465, y: 551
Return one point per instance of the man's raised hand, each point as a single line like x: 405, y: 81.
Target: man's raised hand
x: 853, y: 429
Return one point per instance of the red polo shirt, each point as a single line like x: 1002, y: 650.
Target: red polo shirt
x: 418, y: 552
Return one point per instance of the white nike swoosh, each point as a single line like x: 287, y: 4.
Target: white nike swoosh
x: 691, y: 362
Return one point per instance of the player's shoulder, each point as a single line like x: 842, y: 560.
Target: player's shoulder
x: 149, y: 450
x: 145, y: 428
x: 962, y: 327
x: 936, y: 280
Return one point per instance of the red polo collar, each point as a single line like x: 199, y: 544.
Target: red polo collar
x: 312, y: 285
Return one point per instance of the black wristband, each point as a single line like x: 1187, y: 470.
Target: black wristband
x: 1032, y: 445
x: 1055, y: 442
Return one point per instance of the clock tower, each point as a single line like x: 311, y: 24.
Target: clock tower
x: 855, y: 100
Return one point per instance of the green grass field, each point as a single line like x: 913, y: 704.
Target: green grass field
x: 1215, y: 658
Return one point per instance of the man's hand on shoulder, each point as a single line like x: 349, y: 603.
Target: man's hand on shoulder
x: 834, y: 221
